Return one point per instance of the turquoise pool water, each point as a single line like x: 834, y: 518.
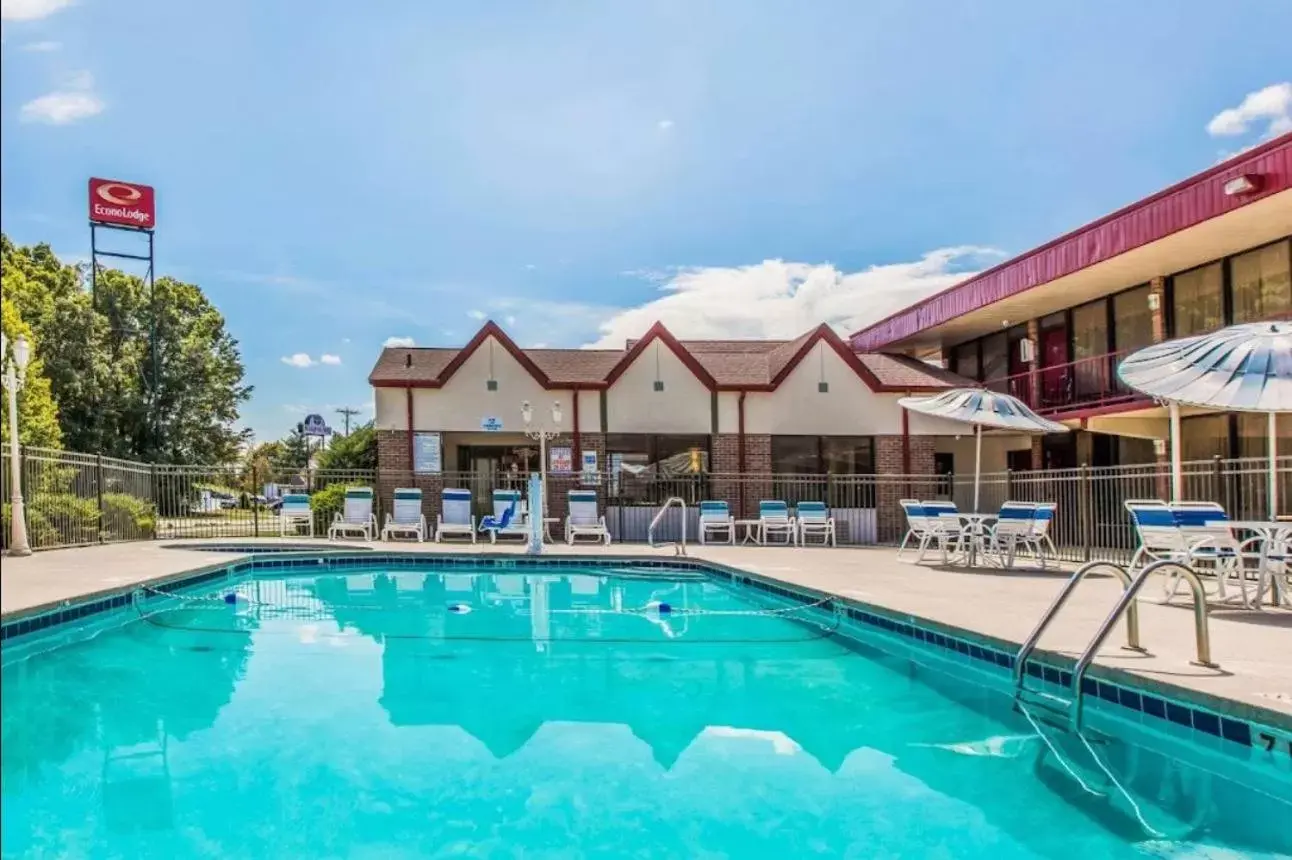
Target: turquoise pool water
x: 400, y: 714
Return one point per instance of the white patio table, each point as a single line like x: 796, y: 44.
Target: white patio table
x: 1277, y: 537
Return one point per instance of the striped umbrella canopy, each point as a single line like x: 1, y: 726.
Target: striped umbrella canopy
x: 982, y: 408
x: 1243, y: 368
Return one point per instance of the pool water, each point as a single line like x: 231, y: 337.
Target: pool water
x: 400, y: 714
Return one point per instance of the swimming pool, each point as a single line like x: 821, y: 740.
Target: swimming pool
x: 382, y: 710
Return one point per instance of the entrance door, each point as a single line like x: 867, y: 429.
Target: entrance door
x: 1054, y: 361
x: 483, y: 468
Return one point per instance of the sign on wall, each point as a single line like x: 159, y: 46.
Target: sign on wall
x: 490, y: 424
x: 589, y: 468
x: 123, y: 204
x: 427, y: 453
x: 560, y: 460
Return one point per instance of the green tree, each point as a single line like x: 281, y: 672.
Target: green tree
x: 37, y: 411
x: 115, y: 394
x: 356, y: 451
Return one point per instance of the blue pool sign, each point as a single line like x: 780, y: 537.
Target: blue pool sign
x: 491, y: 424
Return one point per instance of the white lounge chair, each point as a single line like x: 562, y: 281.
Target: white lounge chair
x: 583, y: 519
x: 456, y: 518
x: 716, y: 517
x: 774, y: 519
x: 294, y: 512
x: 509, y: 518
x: 355, y: 516
x: 407, y: 517
x: 814, y: 518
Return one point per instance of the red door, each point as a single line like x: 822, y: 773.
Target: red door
x: 1054, y: 360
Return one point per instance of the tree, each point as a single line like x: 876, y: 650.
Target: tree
x: 37, y: 411
x: 115, y: 395
x: 356, y: 451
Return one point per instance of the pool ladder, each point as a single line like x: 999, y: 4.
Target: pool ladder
x: 1068, y: 712
x: 679, y: 546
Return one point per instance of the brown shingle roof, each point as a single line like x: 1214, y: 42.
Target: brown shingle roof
x: 730, y: 363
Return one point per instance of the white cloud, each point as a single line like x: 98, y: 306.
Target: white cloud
x: 42, y: 47
x: 396, y: 340
x: 30, y: 10
x: 776, y: 299
x: 74, y: 101
x: 509, y: 319
x: 665, y: 124
x: 298, y: 359
x: 327, y: 358
x: 1270, y: 107
x: 477, y: 314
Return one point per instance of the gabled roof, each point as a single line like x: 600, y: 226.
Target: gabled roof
x: 720, y: 365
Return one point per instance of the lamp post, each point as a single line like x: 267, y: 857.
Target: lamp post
x: 14, y: 376
x: 542, y: 433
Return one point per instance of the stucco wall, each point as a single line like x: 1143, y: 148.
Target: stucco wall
x: 994, y: 450
x: 634, y: 406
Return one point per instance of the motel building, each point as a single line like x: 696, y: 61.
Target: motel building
x: 817, y: 417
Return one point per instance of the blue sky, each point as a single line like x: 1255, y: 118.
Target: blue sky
x: 338, y: 174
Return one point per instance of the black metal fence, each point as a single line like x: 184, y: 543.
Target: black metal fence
x: 78, y: 499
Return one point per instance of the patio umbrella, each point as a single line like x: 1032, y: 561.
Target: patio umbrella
x: 982, y: 408
x: 1243, y: 368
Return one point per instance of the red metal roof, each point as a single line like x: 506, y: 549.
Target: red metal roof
x: 1181, y: 206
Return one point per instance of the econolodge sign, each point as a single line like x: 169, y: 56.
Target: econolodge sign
x: 122, y: 204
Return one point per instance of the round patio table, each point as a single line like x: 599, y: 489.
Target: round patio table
x: 1276, y: 536
x: 975, y: 530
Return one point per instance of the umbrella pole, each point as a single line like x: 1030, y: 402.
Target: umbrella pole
x: 1176, y: 478
x: 1274, y: 467
x: 977, y: 465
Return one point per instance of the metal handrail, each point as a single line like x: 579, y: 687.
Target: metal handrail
x: 1132, y: 616
x: 678, y: 546
x: 1201, y: 631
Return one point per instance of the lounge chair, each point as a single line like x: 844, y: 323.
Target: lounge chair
x: 456, y: 518
x: 583, y: 519
x: 814, y: 518
x: 355, y: 516
x: 1039, y: 538
x: 1013, y: 529
x: 1158, y: 532
x: 1206, y: 531
x: 774, y: 519
x: 507, y: 519
x: 942, y: 522
x: 716, y: 517
x: 407, y: 517
x: 293, y: 512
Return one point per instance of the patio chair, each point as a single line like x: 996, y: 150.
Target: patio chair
x: 715, y: 516
x: 814, y: 518
x: 583, y: 519
x: 1158, y: 532
x: 455, y: 517
x: 1013, y: 528
x: 1206, y: 531
x: 774, y: 519
x: 355, y: 516
x: 917, y: 526
x: 942, y: 519
x: 407, y: 517
x: 1039, y: 537
x: 507, y: 518
x: 293, y: 512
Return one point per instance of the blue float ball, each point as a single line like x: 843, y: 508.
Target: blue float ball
x: 665, y: 609
x: 231, y: 598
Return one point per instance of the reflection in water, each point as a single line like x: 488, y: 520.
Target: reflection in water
x: 326, y: 716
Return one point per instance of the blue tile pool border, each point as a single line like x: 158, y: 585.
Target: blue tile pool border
x: 994, y: 653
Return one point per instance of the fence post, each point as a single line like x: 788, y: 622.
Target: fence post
x: 98, y: 490
x: 152, y: 488
x: 1084, y: 511
x: 1009, y: 484
x: 1218, y: 493
x: 255, y: 502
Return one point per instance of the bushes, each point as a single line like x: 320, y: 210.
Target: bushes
x: 127, y: 517
x: 63, y: 519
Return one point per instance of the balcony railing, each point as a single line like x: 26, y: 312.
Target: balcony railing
x: 1087, y: 383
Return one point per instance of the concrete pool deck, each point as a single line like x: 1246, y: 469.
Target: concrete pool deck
x: 1254, y: 649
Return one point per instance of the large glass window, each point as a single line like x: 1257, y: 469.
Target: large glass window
x: 848, y: 455
x: 995, y: 358
x: 796, y: 455
x: 965, y: 360
x: 647, y: 468
x: 1197, y: 301
x: 1132, y: 319
x: 1262, y: 284
x: 1090, y: 348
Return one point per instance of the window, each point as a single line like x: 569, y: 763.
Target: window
x: 1254, y: 434
x: 1204, y: 437
x: 1197, y: 301
x: 796, y: 455
x: 820, y: 468
x: 995, y: 357
x: 848, y: 455
x: 1132, y: 319
x: 965, y: 359
x: 1262, y: 285
x: 1090, y: 348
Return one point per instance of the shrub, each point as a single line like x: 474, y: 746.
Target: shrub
x: 127, y: 517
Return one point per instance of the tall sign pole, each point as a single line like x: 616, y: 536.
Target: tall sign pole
x: 131, y: 209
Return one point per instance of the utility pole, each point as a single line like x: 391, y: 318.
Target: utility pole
x: 347, y: 411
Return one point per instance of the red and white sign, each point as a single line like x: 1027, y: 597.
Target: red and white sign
x: 124, y: 204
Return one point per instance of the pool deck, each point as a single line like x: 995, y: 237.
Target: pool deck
x: 1254, y: 649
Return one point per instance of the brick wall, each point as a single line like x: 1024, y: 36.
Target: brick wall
x: 890, y: 466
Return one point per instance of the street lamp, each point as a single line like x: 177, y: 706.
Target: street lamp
x: 14, y: 376
x: 542, y: 433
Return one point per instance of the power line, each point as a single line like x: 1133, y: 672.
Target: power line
x: 347, y: 412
